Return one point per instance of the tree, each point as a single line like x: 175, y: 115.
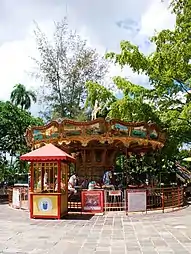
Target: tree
x: 131, y: 107
x: 66, y: 65
x: 168, y: 103
x: 168, y: 69
x: 22, y: 97
x: 13, y: 124
x: 99, y: 93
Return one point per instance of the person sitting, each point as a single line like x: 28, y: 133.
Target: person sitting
x: 84, y: 184
x: 107, y: 180
x: 72, y: 183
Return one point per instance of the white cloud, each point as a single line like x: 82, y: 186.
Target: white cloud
x: 14, y: 62
x: 14, y: 55
x: 156, y: 18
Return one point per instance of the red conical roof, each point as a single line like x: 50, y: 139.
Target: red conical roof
x: 47, y: 153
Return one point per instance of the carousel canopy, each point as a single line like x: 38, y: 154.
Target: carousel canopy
x: 47, y: 152
x: 71, y: 134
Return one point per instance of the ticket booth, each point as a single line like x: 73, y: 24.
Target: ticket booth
x: 49, y: 182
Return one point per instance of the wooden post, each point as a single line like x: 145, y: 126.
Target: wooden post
x: 59, y: 177
x: 173, y: 200
x: 30, y: 204
x: 42, y: 176
x: 84, y: 161
x: 32, y: 177
x: 178, y: 189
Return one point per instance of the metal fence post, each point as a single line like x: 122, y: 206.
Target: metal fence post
x: 126, y: 201
x: 20, y: 197
x: 146, y: 199
x: 163, y: 200
x: 105, y: 201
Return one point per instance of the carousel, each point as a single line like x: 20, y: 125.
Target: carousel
x: 94, y: 145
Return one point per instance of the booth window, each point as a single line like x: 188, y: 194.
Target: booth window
x: 64, y: 177
x: 45, y: 176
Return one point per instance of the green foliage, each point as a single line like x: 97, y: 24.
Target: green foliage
x: 131, y: 107
x: 65, y: 65
x: 14, y: 120
x: 130, y: 55
x: 104, y: 97
x: 183, y: 154
x: 168, y: 69
x: 170, y: 61
x: 13, y: 124
x: 99, y: 93
x: 139, y: 168
x: 22, y: 97
x: 9, y: 171
x: 134, y: 104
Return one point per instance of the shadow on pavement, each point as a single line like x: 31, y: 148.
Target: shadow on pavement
x: 77, y: 216
x: 4, y: 199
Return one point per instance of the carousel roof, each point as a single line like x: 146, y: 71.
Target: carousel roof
x: 47, y: 152
x: 69, y: 133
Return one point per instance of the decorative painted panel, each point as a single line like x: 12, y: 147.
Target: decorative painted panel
x: 94, y: 129
x: 140, y: 132
x: 71, y: 129
x: 103, y: 131
x: 37, y: 135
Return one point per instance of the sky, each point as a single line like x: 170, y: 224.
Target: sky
x: 103, y: 23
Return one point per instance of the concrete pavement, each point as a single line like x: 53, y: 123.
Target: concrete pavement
x: 109, y: 234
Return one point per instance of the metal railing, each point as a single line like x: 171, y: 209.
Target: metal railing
x: 74, y: 202
x: 155, y: 199
x: 115, y: 200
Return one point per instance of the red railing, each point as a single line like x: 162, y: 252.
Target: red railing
x: 156, y: 199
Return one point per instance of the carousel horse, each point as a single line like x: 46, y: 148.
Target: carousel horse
x: 95, y: 110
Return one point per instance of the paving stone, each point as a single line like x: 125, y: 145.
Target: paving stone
x: 102, y: 252
x: 111, y: 234
x: 99, y: 248
x: 180, y: 251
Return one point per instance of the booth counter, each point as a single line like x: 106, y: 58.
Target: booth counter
x: 48, y: 205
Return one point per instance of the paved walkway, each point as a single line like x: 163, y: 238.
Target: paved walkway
x: 116, y: 234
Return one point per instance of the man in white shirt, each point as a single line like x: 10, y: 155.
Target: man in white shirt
x: 72, y: 183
